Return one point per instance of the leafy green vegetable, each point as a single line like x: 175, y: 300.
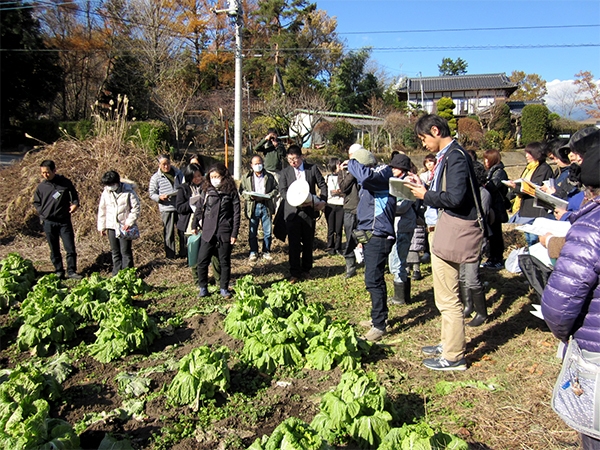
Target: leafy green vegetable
x: 421, y: 436
x: 16, y: 278
x: 357, y: 407
x: 291, y: 434
x: 201, y: 373
x: 111, y: 443
x: 132, y: 385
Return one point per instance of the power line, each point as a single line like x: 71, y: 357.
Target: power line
x: 535, y: 27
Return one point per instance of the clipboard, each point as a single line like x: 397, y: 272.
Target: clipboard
x: 400, y: 189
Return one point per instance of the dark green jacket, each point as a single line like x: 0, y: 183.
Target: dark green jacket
x: 247, y: 185
x: 272, y: 155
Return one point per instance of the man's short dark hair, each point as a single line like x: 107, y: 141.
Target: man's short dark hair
x: 256, y: 155
x: 273, y: 130
x: 164, y: 156
x: 110, y: 177
x: 424, y: 124
x: 49, y: 164
x: 294, y: 150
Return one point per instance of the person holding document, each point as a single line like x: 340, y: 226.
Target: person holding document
x: 525, y: 208
x: 258, y: 188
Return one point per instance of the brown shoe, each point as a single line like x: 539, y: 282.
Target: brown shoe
x: 294, y: 280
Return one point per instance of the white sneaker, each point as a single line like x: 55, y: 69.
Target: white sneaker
x: 267, y: 256
x: 253, y: 257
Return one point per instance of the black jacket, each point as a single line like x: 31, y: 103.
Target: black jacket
x: 457, y: 197
x: 182, y: 204
x: 217, y: 214
x: 349, y: 187
x: 52, y: 199
x: 498, y: 191
x: 528, y: 209
x: 314, y: 178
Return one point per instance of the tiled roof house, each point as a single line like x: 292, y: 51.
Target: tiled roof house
x: 470, y: 93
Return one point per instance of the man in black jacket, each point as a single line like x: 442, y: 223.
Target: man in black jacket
x: 55, y: 199
x: 451, y: 192
x: 300, y: 221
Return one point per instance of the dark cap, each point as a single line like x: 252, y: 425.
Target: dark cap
x: 401, y: 161
x: 582, y: 141
x: 590, y: 168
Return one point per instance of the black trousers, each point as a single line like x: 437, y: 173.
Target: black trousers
x: 301, y: 236
x: 206, y: 252
x: 122, y: 252
x: 350, y: 222
x: 335, y: 225
x: 54, y: 232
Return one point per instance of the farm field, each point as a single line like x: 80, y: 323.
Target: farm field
x: 500, y: 402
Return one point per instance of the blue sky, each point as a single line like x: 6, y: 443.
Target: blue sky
x: 360, y: 23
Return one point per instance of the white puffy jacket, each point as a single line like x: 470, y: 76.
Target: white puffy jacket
x: 120, y: 206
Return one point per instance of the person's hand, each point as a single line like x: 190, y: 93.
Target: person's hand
x: 103, y: 233
x: 511, y: 184
x: 232, y: 240
x: 416, y: 185
x: 194, y: 231
x: 544, y: 239
x: 164, y: 197
x: 558, y: 213
x: 344, y: 165
x: 73, y: 208
x: 548, y: 190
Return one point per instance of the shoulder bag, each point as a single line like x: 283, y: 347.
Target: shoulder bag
x: 458, y: 240
x: 575, y: 395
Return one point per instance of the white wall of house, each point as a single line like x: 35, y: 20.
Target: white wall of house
x: 467, y: 102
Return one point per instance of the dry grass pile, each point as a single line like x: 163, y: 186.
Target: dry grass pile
x: 83, y: 163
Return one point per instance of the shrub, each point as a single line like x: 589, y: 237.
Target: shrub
x: 401, y: 130
x: 341, y: 135
x: 534, y: 123
x: 152, y: 135
x: 497, y: 140
x: 44, y: 130
x: 79, y: 130
x: 470, y: 132
x: 445, y: 109
x: 501, y: 119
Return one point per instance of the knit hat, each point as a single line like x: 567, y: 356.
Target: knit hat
x: 401, y: 161
x: 582, y: 141
x: 363, y: 156
x: 590, y: 168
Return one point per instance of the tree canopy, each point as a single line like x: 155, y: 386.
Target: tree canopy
x: 531, y: 86
x: 453, y: 67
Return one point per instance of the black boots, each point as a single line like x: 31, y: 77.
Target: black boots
x: 350, y: 267
x: 467, y: 299
x: 478, y: 301
x: 401, y: 293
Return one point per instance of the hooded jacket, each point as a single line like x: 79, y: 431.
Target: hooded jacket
x: 376, y: 207
x: 53, y: 198
x: 571, y: 299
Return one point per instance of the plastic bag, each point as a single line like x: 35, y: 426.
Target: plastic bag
x: 193, y: 246
x: 512, y: 262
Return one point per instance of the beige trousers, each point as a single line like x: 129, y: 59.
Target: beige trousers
x: 447, y: 300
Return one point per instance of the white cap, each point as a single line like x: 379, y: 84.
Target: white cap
x: 354, y: 147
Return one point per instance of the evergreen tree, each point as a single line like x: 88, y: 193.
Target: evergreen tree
x: 30, y: 74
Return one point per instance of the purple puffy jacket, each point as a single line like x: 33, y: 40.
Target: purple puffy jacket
x: 571, y: 300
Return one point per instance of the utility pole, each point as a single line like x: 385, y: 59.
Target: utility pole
x: 235, y: 12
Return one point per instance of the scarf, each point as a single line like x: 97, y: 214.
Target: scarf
x: 526, y: 175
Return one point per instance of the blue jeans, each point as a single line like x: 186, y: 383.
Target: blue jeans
x: 54, y: 232
x: 376, y: 252
x: 261, y: 214
x: 398, y: 255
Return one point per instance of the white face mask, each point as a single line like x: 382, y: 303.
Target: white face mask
x: 216, y: 182
x: 112, y: 187
x: 257, y: 167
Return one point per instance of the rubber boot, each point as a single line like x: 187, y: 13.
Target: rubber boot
x: 416, y: 275
x: 350, y: 267
x: 467, y: 299
x: 399, y: 291
x: 478, y: 299
x: 407, y: 291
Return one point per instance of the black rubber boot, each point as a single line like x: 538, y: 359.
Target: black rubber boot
x: 478, y: 299
x: 350, y: 267
x: 407, y: 291
x: 467, y: 299
x: 398, y: 298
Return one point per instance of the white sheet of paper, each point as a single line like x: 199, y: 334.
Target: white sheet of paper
x: 541, y: 226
